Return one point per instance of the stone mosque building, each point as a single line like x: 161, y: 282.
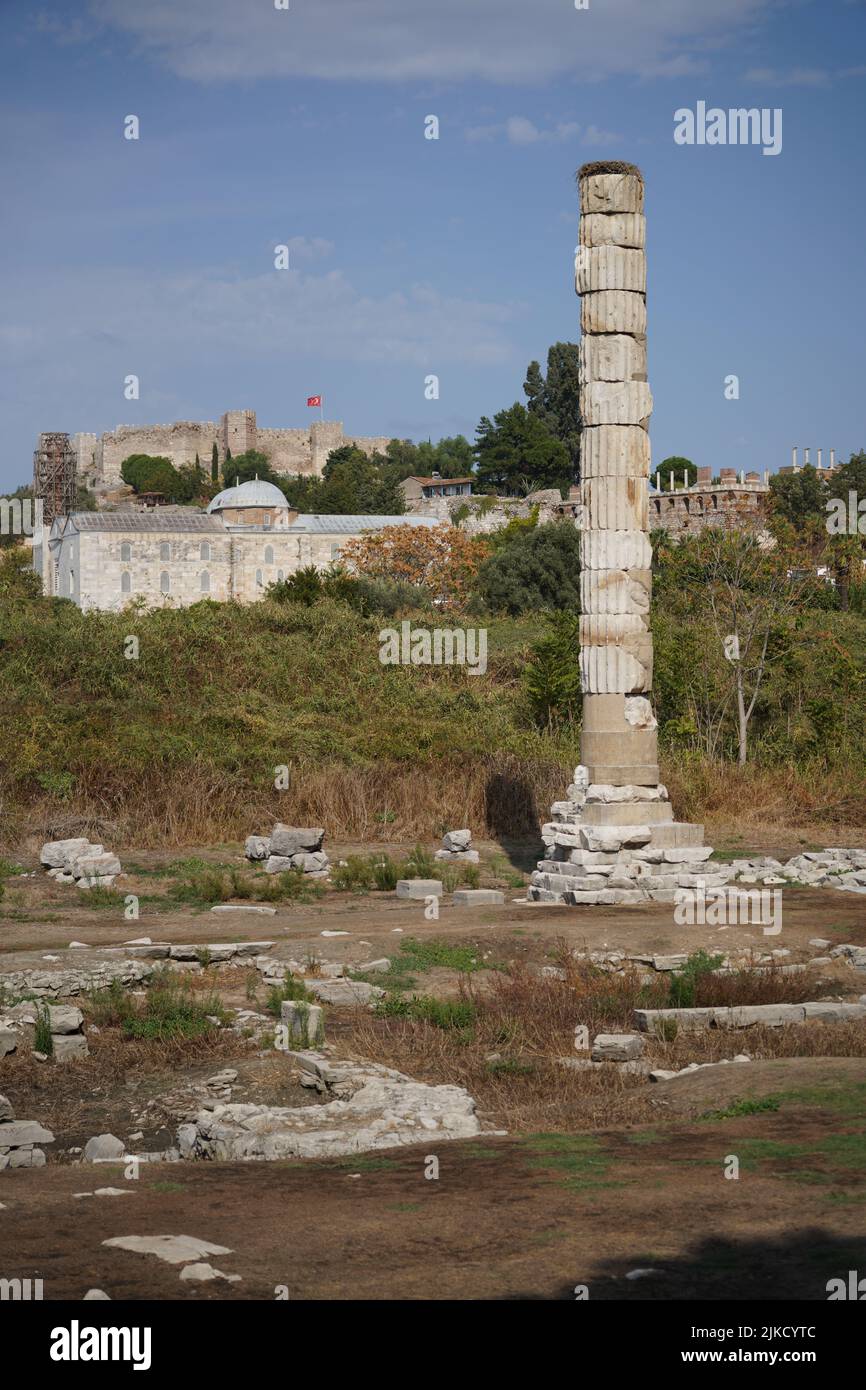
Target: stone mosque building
x: 249, y: 538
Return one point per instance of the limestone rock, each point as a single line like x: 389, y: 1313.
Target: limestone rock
x: 617, y: 1047
x: 613, y: 229
x: 175, y: 1250
x: 64, y: 1018
x: 6, y: 1110
x: 103, y: 1147
x: 622, y: 550
x: 257, y: 847
x: 457, y: 839
x: 16, y: 1134
x: 613, y: 311
x: 419, y: 888
x: 288, y: 840
x: 55, y: 853
x: 611, y: 192
x: 599, y: 268
x: 69, y: 1047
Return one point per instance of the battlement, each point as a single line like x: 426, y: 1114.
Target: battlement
x: 293, y: 452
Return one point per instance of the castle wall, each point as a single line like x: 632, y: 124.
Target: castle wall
x: 294, y: 452
x: 741, y: 506
x: 179, y: 442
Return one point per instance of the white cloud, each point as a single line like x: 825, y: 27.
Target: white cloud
x: 141, y: 321
x: 796, y: 77
x: 385, y: 41
x: 519, y: 130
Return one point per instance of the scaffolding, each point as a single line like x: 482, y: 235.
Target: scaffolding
x: 54, y: 476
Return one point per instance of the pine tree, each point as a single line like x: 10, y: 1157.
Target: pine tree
x: 215, y: 464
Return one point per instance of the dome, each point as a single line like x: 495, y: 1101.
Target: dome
x: 255, y: 493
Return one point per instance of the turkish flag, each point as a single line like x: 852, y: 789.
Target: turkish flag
x: 314, y: 400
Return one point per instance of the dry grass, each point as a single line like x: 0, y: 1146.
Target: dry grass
x: 503, y: 796
x: 757, y: 798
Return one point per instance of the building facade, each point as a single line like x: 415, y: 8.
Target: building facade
x: 248, y: 538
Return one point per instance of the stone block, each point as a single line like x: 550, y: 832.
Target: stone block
x: 614, y: 451
x: 312, y: 863
x: 64, y: 1018
x: 613, y: 311
x: 623, y: 550
x: 419, y: 888
x: 289, y: 839
x: 606, y: 748
x: 478, y: 897
x: 69, y: 1047
x: 625, y: 403
x: 768, y: 1015
x: 615, y: 504
x: 94, y: 866
x: 613, y: 192
x: 55, y: 853
x: 611, y: 357
x: 625, y: 813
x: 609, y: 670
x: 607, y: 794
x: 610, y: 839
x: 460, y: 856
x: 609, y: 268
x: 657, y: 1021
x: 257, y: 847
x: 613, y: 229
x: 695, y: 854
x: 640, y: 774
x: 304, y: 1022
x: 16, y: 1133
x: 617, y: 1047
x: 279, y: 863
x: 349, y: 992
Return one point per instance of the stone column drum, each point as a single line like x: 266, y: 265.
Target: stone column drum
x: 614, y: 838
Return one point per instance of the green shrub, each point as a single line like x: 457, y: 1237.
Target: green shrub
x: 171, y: 1011
x: 42, y: 1040
x: 685, y: 982
x: 291, y: 988
x: 538, y: 569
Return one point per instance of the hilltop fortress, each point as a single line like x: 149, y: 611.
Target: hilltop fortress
x: 294, y: 452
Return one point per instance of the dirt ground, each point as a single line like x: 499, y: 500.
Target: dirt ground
x: 506, y: 1218
x: 521, y: 1215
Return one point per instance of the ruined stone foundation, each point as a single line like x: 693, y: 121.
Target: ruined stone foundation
x: 614, y: 839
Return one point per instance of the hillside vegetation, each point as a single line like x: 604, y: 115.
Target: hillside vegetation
x: 182, y: 744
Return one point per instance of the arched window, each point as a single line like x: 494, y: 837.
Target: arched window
x: 269, y: 554
x: 126, y: 582
x: 164, y: 582
x: 335, y: 552
x: 72, y: 581
x: 204, y: 550
x: 204, y: 582
x: 126, y: 552
x: 165, y: 551
x: 266, y: 520
x: 259, y: 579
x: 280, y: 576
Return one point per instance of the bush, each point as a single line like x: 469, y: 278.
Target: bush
x: 291, y: 988
x: 552, y: 677
x: 686, y: 982
x: 538, y: 569
x: 172, y: 1011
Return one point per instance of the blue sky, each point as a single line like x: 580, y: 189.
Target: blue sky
x: 411, y: 256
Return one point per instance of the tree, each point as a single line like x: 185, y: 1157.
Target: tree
x: 552, y: 676
x: 252, y: 464
x: 751, y: 599
x: 537, y: 569
x: 555, y: 399
x: 355, y: 484
x: 672, y: 470
x: 517, y: 454
x: 798, y: 498
x: 441, y: 559
x: 214, y: 463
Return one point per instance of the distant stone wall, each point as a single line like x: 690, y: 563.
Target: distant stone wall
x: 742, y: 506
x: 294, y: 452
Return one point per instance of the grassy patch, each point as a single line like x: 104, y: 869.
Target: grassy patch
x: 746, y: 1106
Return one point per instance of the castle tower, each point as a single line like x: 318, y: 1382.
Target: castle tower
x: 617, y: 822
x: 237, y: 432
